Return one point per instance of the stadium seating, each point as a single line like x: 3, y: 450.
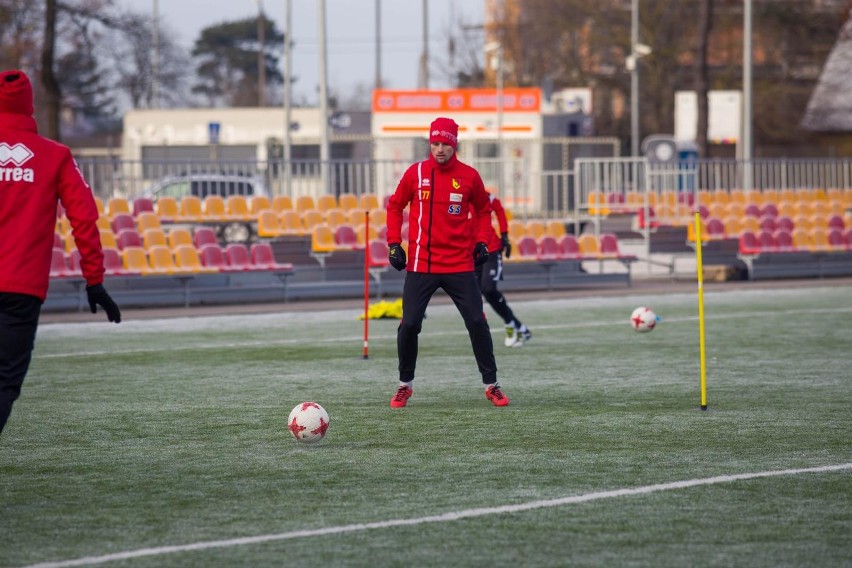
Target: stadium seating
x: 322, y: 239
x: 336, y: 216
x: 282, y: 203
x: 187, y: 260
x: 212, y: 256
x: 134, y: 259
x: 263, y: 258
x: 122, y: 221
x: 152, y: 238
x: 326, y: 202
x: 180, y: 236
x: 147, y: 220
x: 345, y: 238
x: 204, y: 236
x: 569, y: 248
x: 214, y: 208
x: 238, y: 256
x: 162, y: 261
x: 191, y: 209
x: 379, y: 254
x: 369, y: 201
x: 237, y: 208
x: 291, y: 222
x: 548, y: 248
x: 268, y: 225
x: 128, y: 238
x: 167, y: 209
x: 142, y: 205
x: 118, y: 206
x: 259, y: 203
x: 108, y: 240
x: 59, y: 265
x: 305, y: 203
x: 311, y: 218
x: 526, y: 250
x: 347, y: 201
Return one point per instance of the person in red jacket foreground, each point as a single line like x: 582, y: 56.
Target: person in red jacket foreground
x: 445, y: 197
x: 36, y: 174
x: 491, y: 272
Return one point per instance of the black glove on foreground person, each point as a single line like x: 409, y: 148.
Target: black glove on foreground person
x: 396, y: 256
x: 480, y: 254
x: 98, y: 297
x: 507, y: 244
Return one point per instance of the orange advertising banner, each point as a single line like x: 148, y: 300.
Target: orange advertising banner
x: 456, y: 100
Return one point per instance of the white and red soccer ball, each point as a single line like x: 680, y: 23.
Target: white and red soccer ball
x: 643, y: 319
x: 308, y: 422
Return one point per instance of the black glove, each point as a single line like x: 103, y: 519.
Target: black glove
x: 480, y: 254
x: 507, y: 244
x: 98, y: 297
x: 396, y: 256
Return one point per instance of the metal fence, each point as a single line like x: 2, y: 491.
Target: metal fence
x: 528, y: 188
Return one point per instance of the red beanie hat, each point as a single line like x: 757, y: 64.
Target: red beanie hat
x: 16, y: 93
x: 444, y: 130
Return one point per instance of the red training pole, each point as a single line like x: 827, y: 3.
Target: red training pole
x: 366, y: 283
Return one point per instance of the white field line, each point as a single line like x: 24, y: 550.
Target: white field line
x: 496, y: 330
x: 443, y: 518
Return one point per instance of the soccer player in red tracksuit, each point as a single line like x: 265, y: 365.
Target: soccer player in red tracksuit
x: 445, y: 197
x: 35, y: 175
x: 490, y: 273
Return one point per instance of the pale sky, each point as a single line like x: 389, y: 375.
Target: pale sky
x: 350, y: 33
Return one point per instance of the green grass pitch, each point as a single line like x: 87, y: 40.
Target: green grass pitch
x: 171, y: 433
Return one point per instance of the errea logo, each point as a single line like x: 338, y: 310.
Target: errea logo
x: 18, y: 155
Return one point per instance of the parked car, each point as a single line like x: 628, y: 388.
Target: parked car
x: 204, y: 184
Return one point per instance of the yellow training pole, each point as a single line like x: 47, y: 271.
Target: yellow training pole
x: 698, y: 246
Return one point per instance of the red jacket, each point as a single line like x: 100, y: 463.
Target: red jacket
x: 35, y: 174
x: 495, y: 242
x: 441, y: 197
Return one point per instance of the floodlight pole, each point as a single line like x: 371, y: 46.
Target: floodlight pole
x: 287, y: 141
x: 325, y: 154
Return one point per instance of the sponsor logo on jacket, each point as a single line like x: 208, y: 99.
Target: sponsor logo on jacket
x: 18, y: 155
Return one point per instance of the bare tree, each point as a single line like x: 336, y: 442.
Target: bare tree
x: 705, y: 23
x: 52, y: 91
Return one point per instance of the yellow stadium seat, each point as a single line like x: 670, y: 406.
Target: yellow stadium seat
x: 117, y: 205
x: 268, y: 224
x: 99, y: 203
x: 347, y: 201
x: 167, y: 209
x: 326, y: 202
x: 237, y: 208
x: 108, y: 240
x: 214, y: 208
x: 187, y: 260
x: 291, y: 223
x: 135, y: 259
x: 336, y: 217
x: 312, y: 218
x: 588, y: 244
x: 179, y: 236
x: 154, y: 238
x: 191, y: 209
x: 535, y: 228
x: 517, y: 229
x: 282, y: 203
x: 322, y: 238
x: 368, y: 201
x: 161, y: 260
x: 555, y: 228
x: 363, y: 237
x: 305, y: 203
x: 147, y: 220
x: 259, y: 203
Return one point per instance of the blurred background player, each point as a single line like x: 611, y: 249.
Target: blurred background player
x: 490, y: 273
x: 449, y: 225
x: 36, y: 174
